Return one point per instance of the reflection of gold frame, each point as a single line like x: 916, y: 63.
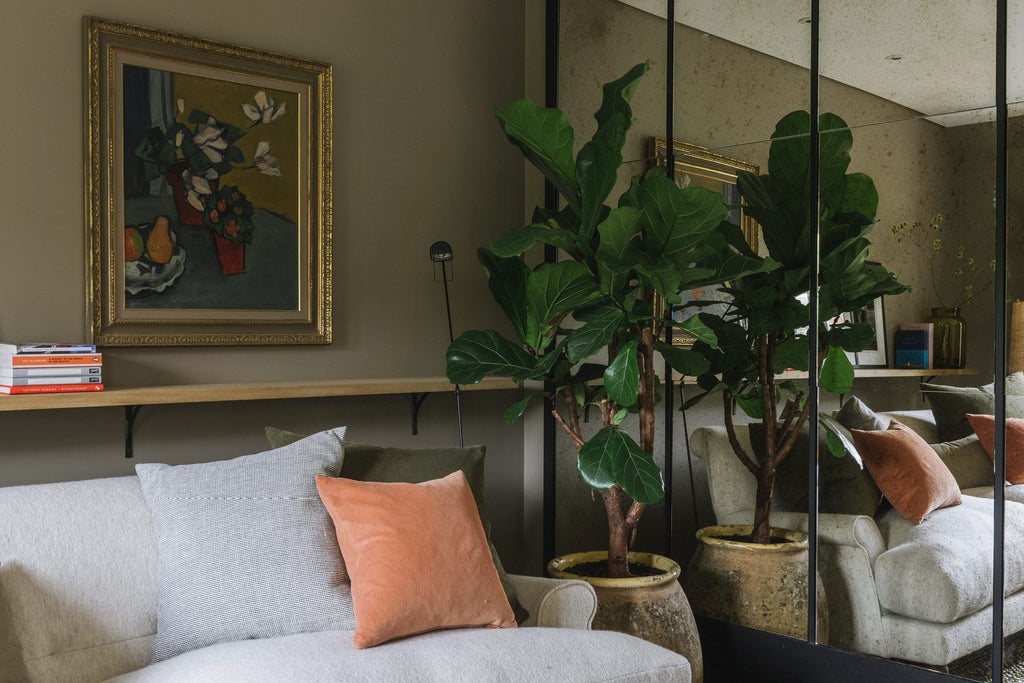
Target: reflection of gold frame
x: 707, y: 169
x: 695, y: 164
x: 284, y: 294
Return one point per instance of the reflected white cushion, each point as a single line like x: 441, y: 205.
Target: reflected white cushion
x: 941, y: 569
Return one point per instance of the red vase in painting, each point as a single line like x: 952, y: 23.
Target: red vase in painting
x: 230, y: 254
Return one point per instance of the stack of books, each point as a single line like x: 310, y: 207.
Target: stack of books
x: 50, y: 368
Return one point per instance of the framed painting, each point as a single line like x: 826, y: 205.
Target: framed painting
x: 695, y: 165
x: 208, y: 198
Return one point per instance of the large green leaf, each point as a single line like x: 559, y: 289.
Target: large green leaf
x: 516, y: 410
x: 792, y: 353
x: 677, y: 220
x: 611, y: 456
x: 622, y: 378
x: 479, y: 353
x: 616, y: 251
x: 585, y: 341
x: 515, y: 242
x: 553, y: 290
x: 857, y: 195
x: 834, y: 152
x: 686, y: 362
x: 507, y: 278
x: 837, y: 371
x: 789, y: 155
x: 546, y: 139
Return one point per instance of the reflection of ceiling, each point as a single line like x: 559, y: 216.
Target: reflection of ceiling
x: 946, y: 47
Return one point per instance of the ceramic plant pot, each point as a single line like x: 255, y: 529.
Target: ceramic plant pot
x: 230, y: 254
x: 650, y: 607
x: 762, y: 586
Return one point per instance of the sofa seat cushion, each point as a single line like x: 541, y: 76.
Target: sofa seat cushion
x: 941, y: 570
x: 1014, y: 492
x: 525, y: 654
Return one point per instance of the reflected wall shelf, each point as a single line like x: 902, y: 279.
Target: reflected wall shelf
x: 876, y: 373
x: 131, y: 399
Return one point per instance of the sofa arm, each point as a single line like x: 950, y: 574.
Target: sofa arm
x: 556, y: 603
x: 848, y: 546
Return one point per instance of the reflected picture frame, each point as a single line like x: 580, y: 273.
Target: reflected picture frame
x: 208, y: 191
x: 877, y: 357
x: 696, y: 165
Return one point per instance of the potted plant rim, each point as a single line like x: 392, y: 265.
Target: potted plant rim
x: 763, y: 333
x: 620, y: 269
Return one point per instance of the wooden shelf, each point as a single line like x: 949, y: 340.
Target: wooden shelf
x: 247, y: 391
x: 875, y: 373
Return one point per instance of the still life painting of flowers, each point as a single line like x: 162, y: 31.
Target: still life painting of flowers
x: 211, y: 193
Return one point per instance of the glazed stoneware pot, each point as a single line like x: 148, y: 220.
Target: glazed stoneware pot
x: 650, y: 607
x: 762, y: 586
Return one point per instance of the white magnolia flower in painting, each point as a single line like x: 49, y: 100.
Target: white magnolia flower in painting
x: 197, y: 186
x: 208, y: 139
x: 264, y: 161
x: 264, y: 110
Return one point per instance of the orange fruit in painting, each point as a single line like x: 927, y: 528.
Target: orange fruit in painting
x: 134, y: 247
x: 159, y: 244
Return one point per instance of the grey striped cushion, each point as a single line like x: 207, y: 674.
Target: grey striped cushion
x: 246, y: 549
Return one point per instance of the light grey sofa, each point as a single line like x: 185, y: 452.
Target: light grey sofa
x: 78, y: 603
x: 917, y: 593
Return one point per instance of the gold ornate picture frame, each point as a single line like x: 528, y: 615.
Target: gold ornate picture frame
x: 208, y: 193
x: 696, y: 165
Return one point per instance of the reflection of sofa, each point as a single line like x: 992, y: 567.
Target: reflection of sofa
x: 78, y: 602
x: 920, y: 593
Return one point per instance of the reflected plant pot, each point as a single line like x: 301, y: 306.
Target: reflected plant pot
x: 230, y: 254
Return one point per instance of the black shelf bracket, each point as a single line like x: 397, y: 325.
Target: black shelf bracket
x: 130, y: 413
x: 417, y: 402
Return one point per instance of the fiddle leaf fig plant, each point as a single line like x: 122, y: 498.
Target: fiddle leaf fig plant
x: 621, y: 267
x: 763, y: 332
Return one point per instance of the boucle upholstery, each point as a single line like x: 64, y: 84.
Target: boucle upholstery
x: 527, y: 655
x: 78, y: 604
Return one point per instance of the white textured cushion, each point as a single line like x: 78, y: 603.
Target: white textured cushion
x: 941, y: 569
x: 77, y: 579
x: 494, y: 655
x: 246, y: 549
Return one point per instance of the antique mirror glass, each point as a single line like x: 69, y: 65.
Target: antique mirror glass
x: 916, y: 85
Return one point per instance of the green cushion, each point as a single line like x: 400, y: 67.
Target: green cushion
x: 950, y: 404
x: 416, y: 465
x: 967, y: 460
x: 855, y: 414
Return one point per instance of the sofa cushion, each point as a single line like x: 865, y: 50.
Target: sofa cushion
x: 985, y: 427
x: 908, y: 471
x: 246, y: 549
x: 855, y: 414
x: 77, y: 580
x: 509, y: 655
x: 414, y: 465
x: 941, y: 570
x: 417, y: 557
x: 950, y: 404
x: 967, y: 461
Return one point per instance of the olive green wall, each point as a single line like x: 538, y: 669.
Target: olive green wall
x: 418, y: 157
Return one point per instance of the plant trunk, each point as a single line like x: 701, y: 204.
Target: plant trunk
x: 618, y: 533
x: 762, y: 531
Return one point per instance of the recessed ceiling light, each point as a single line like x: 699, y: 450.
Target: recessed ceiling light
x: 804, y: 20
x: 894, y: 58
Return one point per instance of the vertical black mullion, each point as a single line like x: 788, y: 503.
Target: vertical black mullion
x: 812, y: 376
x: 998, y: 502
x: 551, y: 30
x: 670, y: 164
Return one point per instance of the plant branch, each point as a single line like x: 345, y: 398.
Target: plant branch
x: 730, y: 429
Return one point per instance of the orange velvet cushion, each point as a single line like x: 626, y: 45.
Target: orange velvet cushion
x: 910, y: 474
x: 417, y: 557
x: 985, y: 427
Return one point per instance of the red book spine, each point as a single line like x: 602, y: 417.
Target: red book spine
x: 49, y: 388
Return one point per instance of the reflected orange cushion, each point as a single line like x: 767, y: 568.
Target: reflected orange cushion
x: 910, y: 474
x: 417, y: 557
x: 985, y: 427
